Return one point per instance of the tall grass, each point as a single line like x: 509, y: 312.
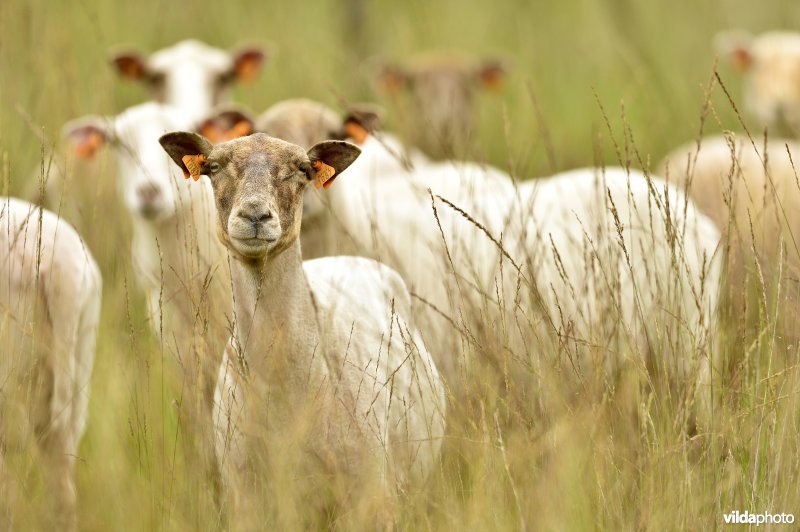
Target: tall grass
x: 525, y: 448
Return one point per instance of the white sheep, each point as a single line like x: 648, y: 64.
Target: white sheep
x: 177, y: 259
x: 323, y: 358
x: 750, y: 189
x: 771, y: 63
x: 624, y: 262
x: 49, y: 312
x: 580, y: 278
x: 191, y: 75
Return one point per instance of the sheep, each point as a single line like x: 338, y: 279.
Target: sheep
x: 771, y: 64
x: 300, y: 119
x: 50, y: 298
x: 323, y: 353
x: 387, y: 197
x: 562, y: 235
x: 441, y: 86
x: 306, y: 122
x: 749, y: 188
x: 178, y: 262
x: 191, y: 75
x: 624, y: 261
x: 458, y: 274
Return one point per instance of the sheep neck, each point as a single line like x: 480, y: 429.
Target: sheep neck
x: 182, y: 244
x: 276, y: 330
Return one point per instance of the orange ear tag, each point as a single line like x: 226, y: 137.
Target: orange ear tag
x: 247, y: 70
x: 194, y: 163
x: 356, y: 131
x: 325, y: 174
x: 89, y: 146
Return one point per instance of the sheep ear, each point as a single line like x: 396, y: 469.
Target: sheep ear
x: 361, y: 120
x: 87, y: 135
x: 330, y: 158
x: 392, y: 79
x: 492, y: 74
x: 247, y: 63
x: 227, y: 123
x: 130, y: 65
x: 736, y: 47
x: 188, y: 150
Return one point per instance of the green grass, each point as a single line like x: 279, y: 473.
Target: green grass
x: 512, y: 457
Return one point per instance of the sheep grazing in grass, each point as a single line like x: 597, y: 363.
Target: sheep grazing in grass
x: 624, y: 265
x: 177, y: 259
x: 324, y: 368
x: 603, y: 262
x: 191, y: 75
x: 547, y: 279
x: 771, y: 65
x: 441, y: 88
x: 49, y: 312
x: 750, y: 189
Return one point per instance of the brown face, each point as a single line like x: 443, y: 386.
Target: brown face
x: 258, y: 184
x: 258, y: 187
x: 442, y: 88
x: 300, y: 121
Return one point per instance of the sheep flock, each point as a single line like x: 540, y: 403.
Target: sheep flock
x: 340, y: 313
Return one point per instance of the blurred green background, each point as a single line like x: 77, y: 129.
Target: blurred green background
x: 653, y: 56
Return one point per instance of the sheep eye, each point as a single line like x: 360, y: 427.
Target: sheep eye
x: 213, y: 167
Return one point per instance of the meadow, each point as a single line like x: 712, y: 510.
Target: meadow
x: 617, y: 82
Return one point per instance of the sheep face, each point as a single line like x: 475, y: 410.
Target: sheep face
x: 150, y: 186
x: 258, y: 184
x: 442, y: 90
x: 771, y: 63
x: 191, y: 74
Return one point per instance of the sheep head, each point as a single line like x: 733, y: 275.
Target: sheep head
x: 258, y: 184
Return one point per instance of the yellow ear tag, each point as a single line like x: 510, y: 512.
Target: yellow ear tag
x: 194, y: 163
x: 325, y: 174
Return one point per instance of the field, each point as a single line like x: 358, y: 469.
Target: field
x: 615, y: 83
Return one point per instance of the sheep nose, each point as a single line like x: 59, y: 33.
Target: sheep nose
x: 148, y: 193
x: 256, y: 216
